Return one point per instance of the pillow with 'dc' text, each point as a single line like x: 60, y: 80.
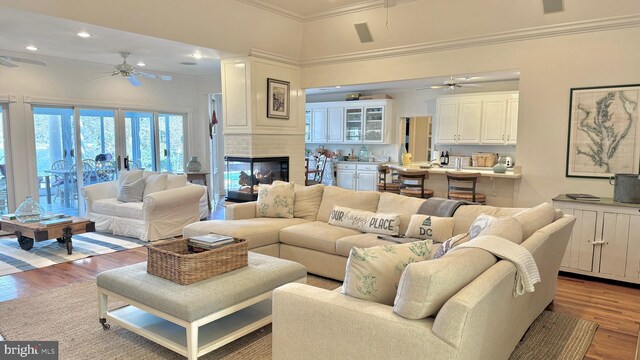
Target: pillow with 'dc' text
x: 430, y: 227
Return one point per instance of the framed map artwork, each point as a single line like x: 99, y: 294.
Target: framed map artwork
x: 604, y: 136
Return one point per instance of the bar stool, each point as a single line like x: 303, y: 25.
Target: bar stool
x: 462, y: 186
x: 412, y: 183
x: 383, y: 185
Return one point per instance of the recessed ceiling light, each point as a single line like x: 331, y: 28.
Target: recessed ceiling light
x: 197, y: 55
x: 338, y: 87
x: 84, y: 34
x: 141, y: 64
x: 188, y: 63
x: 31, y: 48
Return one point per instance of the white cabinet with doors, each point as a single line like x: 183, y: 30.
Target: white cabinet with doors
x: 500, y: 119
x: 326, y: 125
x: 350, y: 122
x: 360, y: 177
x: 604, y: 242
x: 459, y: 120
x: 482, y: 118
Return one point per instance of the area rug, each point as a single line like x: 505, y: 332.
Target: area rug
x: 68, y: 315
x: 556, y: 336
x: 46, y: 253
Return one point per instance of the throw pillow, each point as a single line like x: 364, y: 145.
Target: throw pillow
x: 175, y: 181
x: 535, y: 218
x: 306, y: 200
x: 365, y: 221
x: 435, y: 228
x: 124, y: 175
x: 373, y: 273
x: 131, y: 190
x: 506, y: 227
x: 427, y: 285
x: 155, y: 183
x: 450, y: 244
x: 479, y: 224
x: 275, y: 201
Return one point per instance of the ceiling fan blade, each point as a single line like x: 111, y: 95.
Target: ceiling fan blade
x: 23, y: 60
x: 101, y: 77
x: 6, y: 62
x: 166, y: 77
x: 438, y: 87
x: 134, y: 80
x: 146, y: 74
x: 471, y: 85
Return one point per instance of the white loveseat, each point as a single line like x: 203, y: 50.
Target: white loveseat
x: 160, y: 215
x: 482, y: 320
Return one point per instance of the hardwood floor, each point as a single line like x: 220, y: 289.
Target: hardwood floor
x: 616, y: 308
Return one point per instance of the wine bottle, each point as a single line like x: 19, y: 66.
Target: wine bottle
x: 446, y: 158
x: 442, y: 158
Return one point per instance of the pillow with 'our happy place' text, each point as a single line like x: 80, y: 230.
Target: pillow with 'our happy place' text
x: 365, y: 221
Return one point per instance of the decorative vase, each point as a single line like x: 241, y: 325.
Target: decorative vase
x: 403, y: 150
x: 500, y: 168
x: 194, y: 165
x: 29, y: 211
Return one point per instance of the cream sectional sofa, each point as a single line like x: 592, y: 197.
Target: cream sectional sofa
x: 483, y: 320
x: 160, y: 215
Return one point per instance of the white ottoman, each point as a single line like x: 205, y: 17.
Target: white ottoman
x: 195, y: 319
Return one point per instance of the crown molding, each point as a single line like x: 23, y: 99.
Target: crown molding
x: 490, y: 39
x: 349, y: 9
x: 261, y: 54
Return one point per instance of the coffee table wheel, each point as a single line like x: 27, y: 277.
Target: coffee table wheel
x: 26, y: 243
x: 104, y: 324
x: 60, y: 240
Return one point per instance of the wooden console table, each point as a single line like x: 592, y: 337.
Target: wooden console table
x: 200, y: 176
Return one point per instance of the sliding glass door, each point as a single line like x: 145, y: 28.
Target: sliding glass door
x: 4, y: 200
x: 171, y: 134
x: 140, y: 140
x: 75, y: 147
x: 55, y: 158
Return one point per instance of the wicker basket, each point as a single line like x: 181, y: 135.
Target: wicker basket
x: 171, y: 260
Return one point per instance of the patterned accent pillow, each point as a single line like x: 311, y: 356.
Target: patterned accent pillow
x: 435, y: 228
x: 131, y: 190
x: 275, y: 201
x: 480, y: 223
x: 365, y: 221
x: 374, y: 273
x: 506, y: 227
x: 450, y: 244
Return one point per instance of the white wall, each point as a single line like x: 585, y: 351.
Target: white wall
x: 549, y: 68
x: 68, y: 82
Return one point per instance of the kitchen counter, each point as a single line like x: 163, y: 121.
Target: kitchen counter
x: 484, y: 172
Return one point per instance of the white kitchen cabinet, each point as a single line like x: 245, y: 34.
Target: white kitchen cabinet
x: 326, y: 125
x: 512, y: 119
x: 458, y: 120
x: 351, y: 122
x: 307, y: 126
x: 481, y: 118
x: 360, y: 177
x: 604, y: 242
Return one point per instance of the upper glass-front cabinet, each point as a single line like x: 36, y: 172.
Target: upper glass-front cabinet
x: 353, y: 125
x: 373, y: 124
x: 307, y: 125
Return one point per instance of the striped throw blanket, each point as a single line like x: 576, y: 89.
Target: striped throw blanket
x: 526, y: 269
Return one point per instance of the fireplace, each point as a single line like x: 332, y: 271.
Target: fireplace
x: 244, y: 174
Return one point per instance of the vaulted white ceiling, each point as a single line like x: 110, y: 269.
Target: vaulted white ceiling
x: 312, y: 9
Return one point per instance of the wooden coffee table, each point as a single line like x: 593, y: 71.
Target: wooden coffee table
x: 27, y: 233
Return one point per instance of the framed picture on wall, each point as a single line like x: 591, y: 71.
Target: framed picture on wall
x: 604, y: 136
x: 277, y: 99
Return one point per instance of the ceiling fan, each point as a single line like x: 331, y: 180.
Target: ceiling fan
x: 131, y: 73
x: 454, y: 83
x: 9, y: 61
